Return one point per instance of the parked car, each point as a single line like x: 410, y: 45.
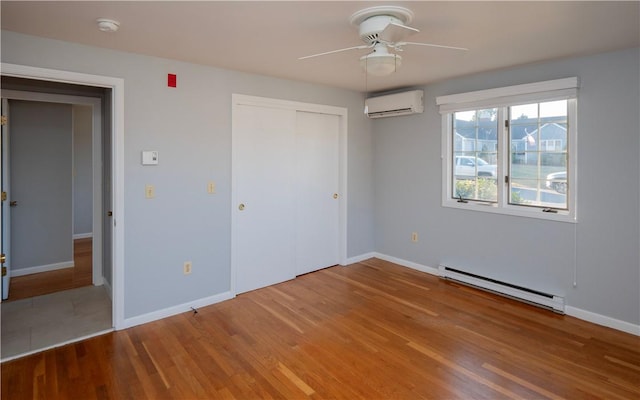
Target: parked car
x: 467, y: 167
x: 557, y: 181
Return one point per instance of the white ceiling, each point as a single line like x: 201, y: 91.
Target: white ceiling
x: 266, y: 37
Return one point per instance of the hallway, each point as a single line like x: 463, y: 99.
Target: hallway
x: 26, y: 286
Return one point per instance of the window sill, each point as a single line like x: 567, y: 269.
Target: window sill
x: 529, y: 212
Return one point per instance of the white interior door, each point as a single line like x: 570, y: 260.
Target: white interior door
x: 6, y: 215
x: 263, y: 198
x: 317, y: 191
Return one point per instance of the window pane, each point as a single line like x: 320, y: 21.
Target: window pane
x: 524, y: 111
x: 465, y: 115
x: 538, y: 157
x: 474, y: 158
x: 556, y: 110
x: 480, y: 189
x: 534, y: 192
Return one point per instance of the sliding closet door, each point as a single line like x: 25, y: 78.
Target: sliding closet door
x: 264, y: 196
x: 286, y: 168
x: 317, y: 191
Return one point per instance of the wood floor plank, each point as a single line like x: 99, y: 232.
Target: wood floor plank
x: 373, y: 330
x: 81, y: 274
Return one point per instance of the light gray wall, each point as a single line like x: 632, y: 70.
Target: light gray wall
x: 525, y: 251
x: 190, y: 126
x: 82, y: 170
x: 40, y: 169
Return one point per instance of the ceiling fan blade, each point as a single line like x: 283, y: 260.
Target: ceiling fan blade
x: 431, y: 45
x: 396, y: 32
x: 337, y: 51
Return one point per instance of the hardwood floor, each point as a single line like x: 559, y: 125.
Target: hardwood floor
x: 373, y: 330
x: 26, y: 286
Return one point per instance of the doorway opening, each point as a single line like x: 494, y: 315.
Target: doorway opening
x: 65, y: 301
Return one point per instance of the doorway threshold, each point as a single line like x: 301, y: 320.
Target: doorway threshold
x: 44, y: 322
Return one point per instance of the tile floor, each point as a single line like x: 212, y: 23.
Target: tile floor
x: 40, y: 322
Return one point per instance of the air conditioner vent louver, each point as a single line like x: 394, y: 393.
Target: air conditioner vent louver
x: 389, y: 113
x: 395, y: 104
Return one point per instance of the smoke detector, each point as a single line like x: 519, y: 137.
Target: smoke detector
x: 107, y: 25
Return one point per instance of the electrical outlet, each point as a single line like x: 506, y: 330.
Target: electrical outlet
x: 414, y: 237
x: 211, y: 187
x: 186, y: 268
x: 149, y: 191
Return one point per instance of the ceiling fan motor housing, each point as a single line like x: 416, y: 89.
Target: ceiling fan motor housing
x: 371, y: 21
x: 370, y: 28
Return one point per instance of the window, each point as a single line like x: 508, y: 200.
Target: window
x: 512, y: 150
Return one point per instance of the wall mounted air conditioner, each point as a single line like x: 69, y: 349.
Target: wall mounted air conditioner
x: 392, y: 105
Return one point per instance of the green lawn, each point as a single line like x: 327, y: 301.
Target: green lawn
x: 525, y: 172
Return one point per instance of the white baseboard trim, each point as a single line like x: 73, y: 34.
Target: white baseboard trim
x: 361, y: 257
x: 180, y: 308
x: 42, y: 268
x: 98, y: 282
x: 107, y: 287
x: 588, y: 316
x: 603, y: 320
x: 167, y: 312
x: 409, y: 264
x: 82, y: 235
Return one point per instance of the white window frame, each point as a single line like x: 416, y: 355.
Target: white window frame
x: 502, y: 98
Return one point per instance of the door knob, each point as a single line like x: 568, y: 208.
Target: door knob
x: 13, y: 203
x: 335, y: 195
x: 241, y: 207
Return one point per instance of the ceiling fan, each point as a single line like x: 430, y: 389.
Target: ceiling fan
x: 382, y: 28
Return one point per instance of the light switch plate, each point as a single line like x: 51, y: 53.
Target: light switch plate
x: 150, y: 157
x: 149, y: 191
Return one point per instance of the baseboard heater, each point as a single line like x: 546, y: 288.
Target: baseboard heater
x: 535, y: 297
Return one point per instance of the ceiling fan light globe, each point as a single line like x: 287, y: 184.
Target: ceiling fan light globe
x: 380, y: 64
